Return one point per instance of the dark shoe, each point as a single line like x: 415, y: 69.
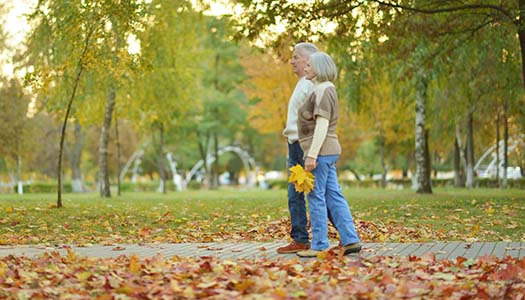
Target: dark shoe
x: 351, y: 248
x: 308, y: 253
x: 293, y: 247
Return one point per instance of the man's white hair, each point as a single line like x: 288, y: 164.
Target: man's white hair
x: 306, y: 49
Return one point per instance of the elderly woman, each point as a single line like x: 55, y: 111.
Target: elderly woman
x: 317, y: 123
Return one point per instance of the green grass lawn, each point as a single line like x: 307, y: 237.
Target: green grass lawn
x: 201, y: 216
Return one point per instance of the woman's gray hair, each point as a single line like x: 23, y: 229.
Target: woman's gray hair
x: 323, y: 66
x: 306, y: 49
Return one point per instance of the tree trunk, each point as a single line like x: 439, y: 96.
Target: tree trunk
x: 75, y: 159
x: 20, y: 185
x: 470, y: 150
x: 64, y: 126
x: 428, y: 161
x: 203, y: 149
x: 215, y: 168
x: 382, y: 157
x: 504, y: 182
x: 103, y: 146
x: 459, y: 176
x: 497, y: 147
x: 423, y: 184
x: 160, y: 161
x: 118, y: 154
x: 462, y: 151
x: 522, y: 163
x: 355, y: 174
x: 521, y: 37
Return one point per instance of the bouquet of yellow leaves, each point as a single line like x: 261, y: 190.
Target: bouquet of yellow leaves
x: 302, y: 180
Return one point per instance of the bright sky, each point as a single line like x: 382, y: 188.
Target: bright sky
x: 17, y: 28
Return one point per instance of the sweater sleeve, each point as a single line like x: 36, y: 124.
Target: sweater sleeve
x: 321, y: 129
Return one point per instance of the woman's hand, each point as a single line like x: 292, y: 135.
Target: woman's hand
x: 310, y: 163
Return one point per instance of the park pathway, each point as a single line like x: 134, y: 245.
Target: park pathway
x: 241, y: 250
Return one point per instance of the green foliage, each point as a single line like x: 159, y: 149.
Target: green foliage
x: 171, y: 48
x: 44, y: 187
x: 481, y: 183
x: 14, y: 128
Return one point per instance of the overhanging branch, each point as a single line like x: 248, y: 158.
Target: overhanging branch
x: 497, y: 8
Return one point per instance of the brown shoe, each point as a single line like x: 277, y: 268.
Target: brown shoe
x: 293, y: 247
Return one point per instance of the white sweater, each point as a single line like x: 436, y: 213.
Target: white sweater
x: 302, y: 89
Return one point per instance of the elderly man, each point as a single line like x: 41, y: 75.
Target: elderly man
x: 296, y: 203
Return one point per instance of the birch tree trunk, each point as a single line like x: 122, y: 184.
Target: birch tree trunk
x: 497, y: 147
x: 215, y: 168
x: 504, y: 183
x: 160, y: 161
x: 383, y: 164
x: 19, y: 184
x: 423, y: 184
x: 76, y: 173
x: 470, y: 150
x: 462, y: 151
x: 103, y: 146
x: 118, y: 155
x: 459, y: 180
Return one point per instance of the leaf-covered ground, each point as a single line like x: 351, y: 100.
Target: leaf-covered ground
x: 380, y: 216
x: 52, y: 276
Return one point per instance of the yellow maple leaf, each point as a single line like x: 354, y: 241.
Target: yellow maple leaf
x: 302, y: 180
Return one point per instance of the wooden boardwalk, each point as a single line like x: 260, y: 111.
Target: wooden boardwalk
x: 241, y: 250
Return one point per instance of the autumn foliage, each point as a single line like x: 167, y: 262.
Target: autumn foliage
x: 302, y: 180
x: 52, y: 276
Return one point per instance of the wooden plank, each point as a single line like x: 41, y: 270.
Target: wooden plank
x: 499, y: 249
x: 410, y: 249
x: 181, y: 249
x: 460, y: 251
x: 370, y: 249
x: 513, y: 249
x: 486, y: 249
x: 250, y: 251
x: 399, y: 248
x: 438, y: 246
x: 447, y: 250
x: 386, y: 249
x: 424, y: 248
x: 472, y: 250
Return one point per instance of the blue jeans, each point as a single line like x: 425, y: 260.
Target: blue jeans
x: 296, y: 203
x: 325, y: 196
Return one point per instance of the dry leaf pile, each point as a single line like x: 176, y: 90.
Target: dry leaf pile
x: 52, y: 276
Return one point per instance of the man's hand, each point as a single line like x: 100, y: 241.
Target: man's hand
x: 310, y: 163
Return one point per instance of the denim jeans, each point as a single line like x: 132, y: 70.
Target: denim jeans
x: 296, y: 203
x: 325, y: 196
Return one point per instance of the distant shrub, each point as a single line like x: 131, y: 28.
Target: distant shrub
x: 45, y: 187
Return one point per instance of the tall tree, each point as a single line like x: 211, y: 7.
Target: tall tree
x: 170, y: 88
x: 222, y: 113
x: 15, y: 125
x: 70, y: 38
x: 426, y: 19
